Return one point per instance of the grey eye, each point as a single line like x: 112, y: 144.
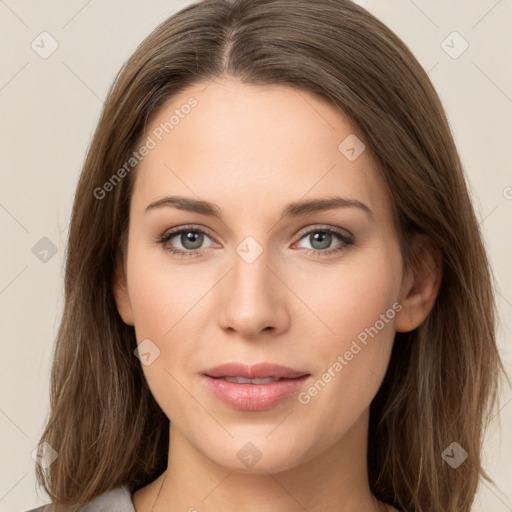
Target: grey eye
x: 189, y: 239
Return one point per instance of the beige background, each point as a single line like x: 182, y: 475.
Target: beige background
x: 49, y: 109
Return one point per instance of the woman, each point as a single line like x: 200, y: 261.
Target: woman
x: 276, y: 292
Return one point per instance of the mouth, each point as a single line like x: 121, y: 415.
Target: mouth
x: 253, y: 388
x: 244, y: 380
x: 254, y: 372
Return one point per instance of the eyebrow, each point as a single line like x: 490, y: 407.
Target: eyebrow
x: 295, y: 209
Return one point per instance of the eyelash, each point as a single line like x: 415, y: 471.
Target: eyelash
x: 346, y: 241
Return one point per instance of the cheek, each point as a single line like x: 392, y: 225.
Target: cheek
x: 357, y: 303
x: 163, y: 293
x: 166, y: 303
x: 351, y: 297
x: 360, y: 307
x: 170, y: 303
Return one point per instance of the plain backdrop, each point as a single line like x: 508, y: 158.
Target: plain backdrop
x: 49, y: 110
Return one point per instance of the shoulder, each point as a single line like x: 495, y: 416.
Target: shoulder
x: 115, y: 500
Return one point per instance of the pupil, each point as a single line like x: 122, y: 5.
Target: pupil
x: 192, y: 240
x: 323, y: 238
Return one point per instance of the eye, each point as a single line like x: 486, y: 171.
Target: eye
x: 190, y: 239
x: 321, y: 239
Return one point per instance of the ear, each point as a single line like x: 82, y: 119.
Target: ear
x: 121, y: 296
x: 420, y: 285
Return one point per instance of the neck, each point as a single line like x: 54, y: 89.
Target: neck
x: 334, y: 480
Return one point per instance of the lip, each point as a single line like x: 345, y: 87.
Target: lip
x: 255, y: 371
x: 253, y: 397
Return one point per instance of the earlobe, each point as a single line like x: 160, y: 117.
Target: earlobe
x: 121, y: 295
x: 421, y: 287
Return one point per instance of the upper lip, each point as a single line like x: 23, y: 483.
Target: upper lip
x: 255, y: 371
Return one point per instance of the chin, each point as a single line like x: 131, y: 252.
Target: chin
x: 257, y: 456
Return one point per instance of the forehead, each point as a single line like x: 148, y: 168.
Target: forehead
x: 246, y: 145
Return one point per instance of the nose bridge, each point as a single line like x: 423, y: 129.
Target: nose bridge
x: 251, y: 278
x: 250, y: 270
x: 252, y: 298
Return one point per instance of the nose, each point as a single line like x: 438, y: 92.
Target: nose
x: 253, y: 299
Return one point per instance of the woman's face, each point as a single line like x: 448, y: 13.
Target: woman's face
x: 270, y: 280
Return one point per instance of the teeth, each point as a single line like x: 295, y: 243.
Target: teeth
x: 244, y: 380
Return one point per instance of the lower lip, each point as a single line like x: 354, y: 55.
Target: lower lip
x: 253, y: 397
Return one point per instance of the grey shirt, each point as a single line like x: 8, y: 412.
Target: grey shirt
x: 115, y: 500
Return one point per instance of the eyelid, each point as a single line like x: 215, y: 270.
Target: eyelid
x: 325, y: 227
x: 186, y: 227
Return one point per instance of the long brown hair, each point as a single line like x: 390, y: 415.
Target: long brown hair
x: 442, y: 381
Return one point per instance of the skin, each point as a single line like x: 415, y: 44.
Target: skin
x: 252, y: 150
